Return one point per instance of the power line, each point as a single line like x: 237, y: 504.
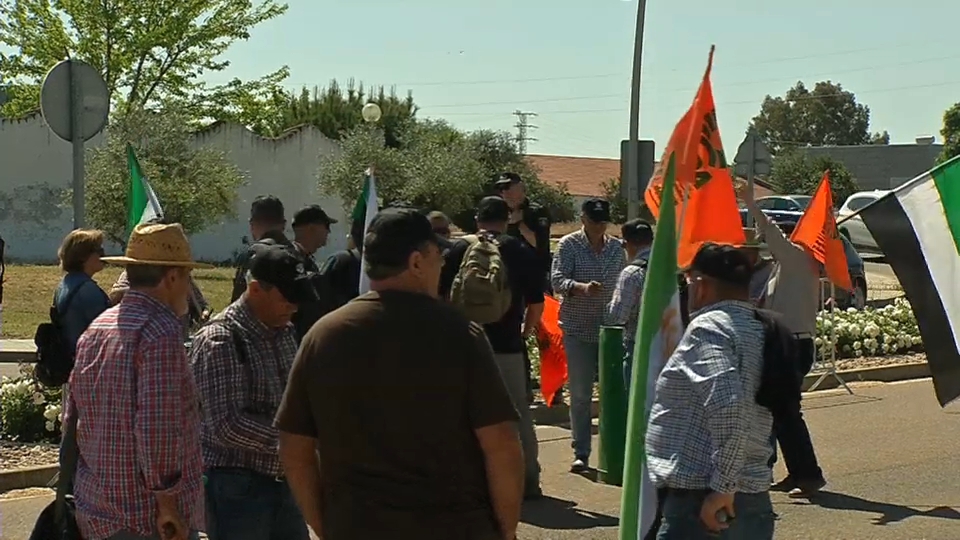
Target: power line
x: 621, y: 74
x: 522, y: 126
x: 747, y: 102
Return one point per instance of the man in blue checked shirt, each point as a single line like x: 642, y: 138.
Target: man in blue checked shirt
x: 708, y: 440
x: 585, y: 270
x: 624, y: 307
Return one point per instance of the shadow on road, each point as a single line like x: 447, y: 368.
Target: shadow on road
x: 889, y: 513
x: 559, y: 514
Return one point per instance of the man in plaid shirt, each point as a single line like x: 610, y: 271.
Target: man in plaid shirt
x: 134, y: 401
x: 624, y: 307
x: 241, y: 361
x: 585, y: 271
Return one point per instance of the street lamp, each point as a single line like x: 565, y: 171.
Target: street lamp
x: 370, y: 112
x: 633, y: 155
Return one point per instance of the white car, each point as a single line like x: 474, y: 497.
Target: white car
x: 854, y: 227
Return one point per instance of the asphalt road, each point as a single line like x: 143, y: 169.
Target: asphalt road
x: 889, y: 453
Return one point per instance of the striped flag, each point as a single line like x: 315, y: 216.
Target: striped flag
x: 364, y: 210
x: 917, y: 227
x: 142, y: 205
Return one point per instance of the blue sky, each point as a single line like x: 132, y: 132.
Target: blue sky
x: 569, y: 61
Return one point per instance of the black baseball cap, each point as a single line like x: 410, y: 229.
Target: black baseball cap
x: 723, y: 263
x: 394, y: 234
x: 596, y: 210
x: 637, y: 231
x: 492, y: 209
x: 506, y: 180
x: 267, y: 209
x: 278, y: 266
x: 310, y: 215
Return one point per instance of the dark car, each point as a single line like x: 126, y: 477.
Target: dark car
x: 858, y: 277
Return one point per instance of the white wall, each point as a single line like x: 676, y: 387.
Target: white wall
x: 35, y: 172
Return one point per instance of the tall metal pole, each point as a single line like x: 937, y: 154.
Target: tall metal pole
x: 76, y: 139
x: 633, y: 160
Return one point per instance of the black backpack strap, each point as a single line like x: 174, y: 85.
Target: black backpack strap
x: 639, y: 262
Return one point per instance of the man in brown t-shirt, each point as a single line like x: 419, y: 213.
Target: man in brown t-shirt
x: 399, y: 396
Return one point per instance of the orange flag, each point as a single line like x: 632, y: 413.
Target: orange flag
x: 711, y: 213
x: 817, y: 231
x: 553, y: 359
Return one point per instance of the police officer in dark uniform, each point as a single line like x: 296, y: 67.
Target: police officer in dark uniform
x: 267, y: 223
x: 529, y: 222
x: 311, y: 227
x: 341, y: 271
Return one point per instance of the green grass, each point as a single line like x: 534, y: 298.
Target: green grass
x: 28, y: 294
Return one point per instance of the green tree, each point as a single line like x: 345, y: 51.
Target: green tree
x: 795, y: 173
x: 618, y: 203
x: 827, y: 115
x: 333, y: 110
x: 197, y: 187
x: 950, y: 133
x: 435, y: 166
x: 149, y: 52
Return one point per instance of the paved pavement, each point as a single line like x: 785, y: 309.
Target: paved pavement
x: 889, y: 452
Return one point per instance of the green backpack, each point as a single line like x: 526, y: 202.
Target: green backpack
x: 481, y: 289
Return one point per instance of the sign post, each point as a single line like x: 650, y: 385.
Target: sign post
x: 753, y: 158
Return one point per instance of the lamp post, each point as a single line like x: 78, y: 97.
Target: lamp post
x: 633, y: 160
x: 371, y: 113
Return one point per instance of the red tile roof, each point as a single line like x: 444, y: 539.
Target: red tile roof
x: 583, y: 176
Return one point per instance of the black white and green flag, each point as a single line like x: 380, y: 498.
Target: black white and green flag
x: 917, y: 227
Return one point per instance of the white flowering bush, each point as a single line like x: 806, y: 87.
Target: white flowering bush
x: 29, y: 412
x: 884, y: 331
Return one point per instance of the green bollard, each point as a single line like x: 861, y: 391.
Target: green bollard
x: 613, y: 406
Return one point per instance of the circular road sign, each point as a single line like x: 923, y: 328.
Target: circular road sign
x: 55, y: 99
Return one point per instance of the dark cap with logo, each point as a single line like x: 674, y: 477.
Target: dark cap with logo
x: 278, y: 266
x: 506, y: 180
x: 492, y: 209
x: 267, y: 209
x: 723, y: 263
x: 312, y: 215
x: 394, y: 234
x: 637, y: 231
x: 596, y: 210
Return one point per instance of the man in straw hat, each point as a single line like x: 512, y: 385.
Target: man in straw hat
x: 134, y: 404
x: 241, y: 362
x: 792, y: 290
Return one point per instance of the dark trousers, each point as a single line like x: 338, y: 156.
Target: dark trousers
x: 791, y: 430
x: 244, y: 505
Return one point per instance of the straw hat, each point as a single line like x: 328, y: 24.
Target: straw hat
x: 752, y: 242
x: 158, y: 245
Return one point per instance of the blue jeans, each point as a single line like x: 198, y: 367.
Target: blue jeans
x: 124, y: 535
x: 627, y: 364
x: 244, y: 505
x: 681, y: 517
x: 582, y: 361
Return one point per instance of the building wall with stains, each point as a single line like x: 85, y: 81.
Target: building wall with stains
x: 36, y: 169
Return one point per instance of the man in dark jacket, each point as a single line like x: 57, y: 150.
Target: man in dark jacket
x: 267, y: 223
x: 311, y: 226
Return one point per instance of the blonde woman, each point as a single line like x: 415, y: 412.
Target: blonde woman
x: 78, y: 298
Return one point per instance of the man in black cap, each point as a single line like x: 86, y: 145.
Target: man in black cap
x: 529, y: 222
x: 624, y: 307
x: 508, y: 335
x: 267, y: 222
x: 397, y: 393
x: 311, y: 227
x: 585, y: 272
x: 241, y: 362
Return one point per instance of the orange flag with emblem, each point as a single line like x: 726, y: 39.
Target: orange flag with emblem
x: 553, y: 359
x: 817, y: 231
x: 711, y: 213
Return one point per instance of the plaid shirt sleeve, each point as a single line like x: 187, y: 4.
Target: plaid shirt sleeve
x: 158, y: 423
x: 626, y: 296
x: 718, y: 387
x: 224, y: 387
x: 563, y: 266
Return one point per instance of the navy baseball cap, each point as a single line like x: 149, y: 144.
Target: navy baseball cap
x: 394, y: 234
x: 506, y: 180
x: 596, y: 210
x: 310, y: 215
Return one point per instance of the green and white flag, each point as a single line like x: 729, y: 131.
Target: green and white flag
x: 142, y: 205
x: 364, y: 210
x: 917, y: 227
x: 658, y: 332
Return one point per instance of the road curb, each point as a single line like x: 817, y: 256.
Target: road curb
x: 560, y: 414
x: 29, y: 477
